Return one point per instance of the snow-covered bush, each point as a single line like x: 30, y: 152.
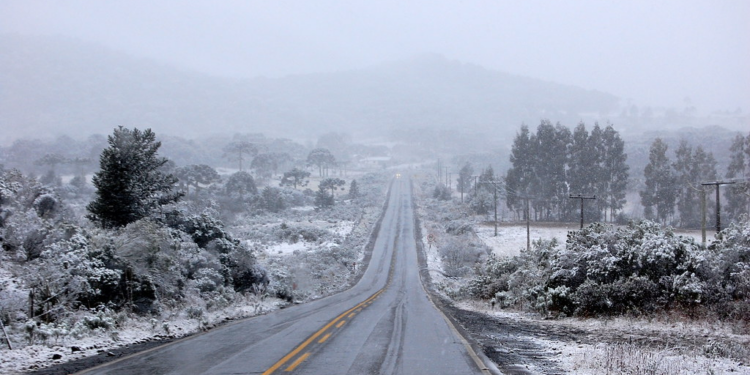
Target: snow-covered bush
x: 459, y: 256
x: 641, y: 268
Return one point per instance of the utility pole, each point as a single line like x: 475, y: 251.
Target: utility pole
x: 528, y: 230
x: 582, y: 198
x: 439, y: 170
x: 718, y: 204
x: 461, y: 184
x: 496, y: 184
x: 475, y: 186
x: 703, y: 217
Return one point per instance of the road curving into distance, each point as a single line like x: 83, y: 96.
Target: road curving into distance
x: 385, y: 324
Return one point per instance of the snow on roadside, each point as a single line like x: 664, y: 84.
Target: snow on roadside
x: 511, y: 240
x: 576, y: 357
x: 135, y: 330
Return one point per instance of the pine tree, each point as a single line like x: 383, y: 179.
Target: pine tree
x: 463, y: 183
x: 686, y: 197
x: 130, y: 183
x: 704, y: 169
x: 353, y: 190
x: 738, y: 194
x: 578, y: 177
x: 615, y: 174
x: 660, y: 190
x: 548, y: 165
x: 519, y: 178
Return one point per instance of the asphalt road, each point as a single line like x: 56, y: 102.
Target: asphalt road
x: 386, y: 324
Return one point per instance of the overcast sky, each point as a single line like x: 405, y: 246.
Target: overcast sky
x: 653, y: 52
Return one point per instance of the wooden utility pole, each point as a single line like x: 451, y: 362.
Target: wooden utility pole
x: 718, y: 202
x: 582, y: 198
x: 496, y: 184
x: 703, y: 217
x: 7, y: 339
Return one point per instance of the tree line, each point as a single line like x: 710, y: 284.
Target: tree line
x: 553, y: 163
x: 674, y: 192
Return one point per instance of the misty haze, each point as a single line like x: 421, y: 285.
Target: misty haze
x: 425, y: 187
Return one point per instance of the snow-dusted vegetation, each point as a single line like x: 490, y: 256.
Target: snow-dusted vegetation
x: 77, y: 278
x: 690, y: 304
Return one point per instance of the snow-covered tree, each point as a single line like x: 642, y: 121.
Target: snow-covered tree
x: 240, y: 151
x: 196, y: 175
x: 129, y: 184
x: 295, y: 177
x: 660, y: 191
x: 332, y: 184
x: 614, y: 176
x: 463, y: 183
x: 738, y: 194
x: 321, y: 158
x: 240, y: 184
x: 353, y: 190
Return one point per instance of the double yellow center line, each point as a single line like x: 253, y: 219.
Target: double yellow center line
x: 305, y: 350
x: 326, y: 332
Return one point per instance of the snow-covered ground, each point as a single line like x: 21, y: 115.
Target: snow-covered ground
x: 135, y: 330
x: 511, y: 239
x: 591, y: 353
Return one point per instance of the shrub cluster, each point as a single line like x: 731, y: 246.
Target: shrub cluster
x: 637, y: 269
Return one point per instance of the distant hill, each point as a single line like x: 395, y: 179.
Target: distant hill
x: 53, y: 85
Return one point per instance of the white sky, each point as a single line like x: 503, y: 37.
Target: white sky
x: 653, y: 52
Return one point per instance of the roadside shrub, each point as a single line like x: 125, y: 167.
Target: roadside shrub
x: 638, y: 269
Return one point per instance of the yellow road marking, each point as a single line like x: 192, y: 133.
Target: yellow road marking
x: 324, y: 338
x: 297, y: 362
x: 318, y: 333
x: 341, y: 323
x: 352, y: 315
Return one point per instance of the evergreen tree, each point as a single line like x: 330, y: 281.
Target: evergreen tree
x: 687, y: 204
x: 548, y: 161
x: 614, y: 179
x: 196, y: 175
x: 463, y: 183
x: 295, y: 177
x: 353, y: 190
x: 323, y: 199
x: 130, y: 183
x: 660, y: 190
x: 239, y: 151
x: 271, y: 200
x: 483, y: 202
x: 704, y: 169
x: 586, y: 174
x: 580, y: 181
x: 241, y: 183
x: 519, y: 178
x: 332, y: 184
x: 323, y: 159
x: 738, y: 194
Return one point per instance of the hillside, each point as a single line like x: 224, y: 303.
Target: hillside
x: 51, y: 85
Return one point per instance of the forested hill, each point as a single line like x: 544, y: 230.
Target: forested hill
x: 51, y: 85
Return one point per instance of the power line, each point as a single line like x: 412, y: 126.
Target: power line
x: 582, y: 198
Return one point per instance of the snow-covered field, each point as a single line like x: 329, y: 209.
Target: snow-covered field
x: 511, y: 239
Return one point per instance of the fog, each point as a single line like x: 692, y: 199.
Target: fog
x: 666, y: 53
